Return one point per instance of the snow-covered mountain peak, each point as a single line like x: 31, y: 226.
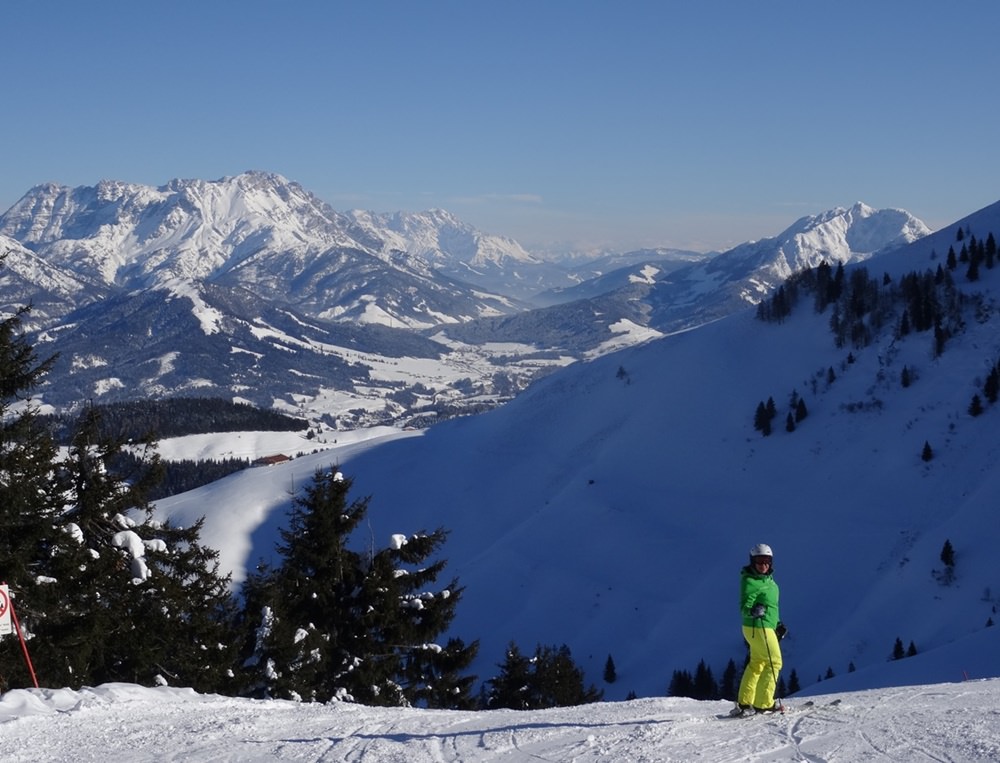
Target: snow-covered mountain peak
x: 747, y: 273
x: 843, y: 235
x: 438, y: 240
x: 261, y: 232
x: 136, y: 235
x: 859, y: 230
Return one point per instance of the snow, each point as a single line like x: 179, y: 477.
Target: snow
x: 627, y: 333
x: 209, y: 318
x: 944, y: 722
x: 253, y: 445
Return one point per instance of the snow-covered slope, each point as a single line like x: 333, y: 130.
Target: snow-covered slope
x: 610, y: 506
x: 944, y: 722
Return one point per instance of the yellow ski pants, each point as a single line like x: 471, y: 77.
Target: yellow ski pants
x: 757, y: 686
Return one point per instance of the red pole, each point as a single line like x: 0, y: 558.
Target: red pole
x: 24, y: 645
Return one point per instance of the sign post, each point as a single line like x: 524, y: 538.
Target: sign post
x: 9, y: 624
x: 6, y: 627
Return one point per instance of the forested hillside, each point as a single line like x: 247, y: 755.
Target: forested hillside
x: 177, y: 417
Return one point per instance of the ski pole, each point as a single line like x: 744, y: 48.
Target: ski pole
x: 770, y: 660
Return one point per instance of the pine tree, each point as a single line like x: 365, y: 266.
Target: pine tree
x: 948, y: 554
x: 897, y: 650
x: 97, y: 584
x: 558, y: 681
x: 610, y: 676
x: 972, y: 273
x: 93, y: 635
x: 927, y: 454
x: 951, y: 260
x: 29, y: 500
x: 976, y: 406
x: 141, y: 601
x: 793, y: 682
x: 760, y: 417
x: 681, y: 684
x: 511, y: 687
x: 801, y: 412
x: 705, y: 686
x: 728, y: 685
x: 404, y: 619
x: 991, y: 387
x: 904, y: 324
x: 548, y: 679
x: 189, y: 613
x: 328, y: 622
x: 771, y: 408
x: 837, y: 325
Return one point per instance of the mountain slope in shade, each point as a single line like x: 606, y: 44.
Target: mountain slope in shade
x: 611, y: 505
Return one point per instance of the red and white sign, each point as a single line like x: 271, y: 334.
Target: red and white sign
x: 5, y: 626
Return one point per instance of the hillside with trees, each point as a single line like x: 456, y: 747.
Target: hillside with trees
x: 103, y: 593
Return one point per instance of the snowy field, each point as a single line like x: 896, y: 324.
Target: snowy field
x: 117, y: 722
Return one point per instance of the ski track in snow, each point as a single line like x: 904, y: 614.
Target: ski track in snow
x: 946, y: 723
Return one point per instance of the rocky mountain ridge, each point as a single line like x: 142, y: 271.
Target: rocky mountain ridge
x: 250, y: 287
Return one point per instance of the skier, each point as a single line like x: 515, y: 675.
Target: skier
x: 762, y: 630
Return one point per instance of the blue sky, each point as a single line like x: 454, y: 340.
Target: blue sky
x: 690, y: 124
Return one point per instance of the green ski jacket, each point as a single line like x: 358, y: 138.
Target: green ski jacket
x: 758, y: 589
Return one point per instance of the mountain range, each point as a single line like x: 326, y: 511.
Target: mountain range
x: 250, y: 287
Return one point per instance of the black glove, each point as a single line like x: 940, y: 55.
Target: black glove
x: 757, y: 611
x: 781, y: 631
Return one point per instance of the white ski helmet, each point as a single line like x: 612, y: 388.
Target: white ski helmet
x: 761, y: 549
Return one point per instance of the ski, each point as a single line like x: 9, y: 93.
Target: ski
x: 742, y: 716
x: 807, y: 705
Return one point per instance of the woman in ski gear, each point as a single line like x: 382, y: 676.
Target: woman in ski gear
x: 759, y: 608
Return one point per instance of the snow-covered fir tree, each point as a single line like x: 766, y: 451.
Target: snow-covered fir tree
x: 549, y: 678
x: 102, y: 593
x: 329, y: 622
